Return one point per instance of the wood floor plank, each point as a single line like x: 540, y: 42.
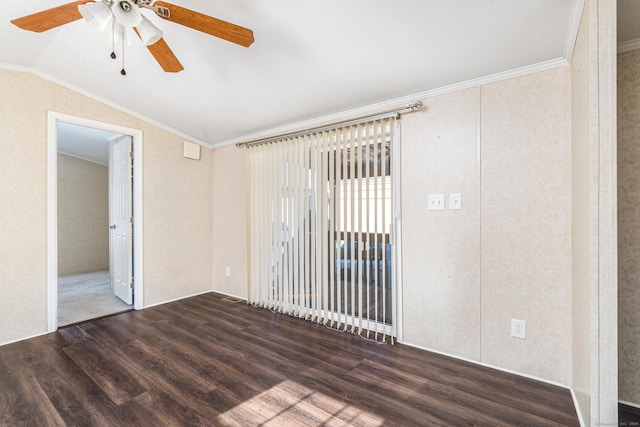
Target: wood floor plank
x: 628, y: 416
x: 206, y: 361
x: 98, y: 363
x: 23, y: 402
x: 504, y: 409
x: 445, y: 397
x: 159, y: 378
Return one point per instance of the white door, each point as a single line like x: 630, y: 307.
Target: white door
x: 121, y: 219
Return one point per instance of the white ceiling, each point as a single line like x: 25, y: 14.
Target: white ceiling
x: 85, y: 143
x: 309, y: 59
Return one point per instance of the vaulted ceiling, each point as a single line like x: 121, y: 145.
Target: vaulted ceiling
x: 309, y: 59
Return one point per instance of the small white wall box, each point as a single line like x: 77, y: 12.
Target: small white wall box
x: 191, y: 151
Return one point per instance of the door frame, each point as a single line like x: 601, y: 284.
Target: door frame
x: 52, y: 208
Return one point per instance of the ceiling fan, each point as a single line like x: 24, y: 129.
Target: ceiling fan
x: 126, y: 13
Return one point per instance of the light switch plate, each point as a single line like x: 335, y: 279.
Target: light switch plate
x: 435, y: 202
x: 455, y: 201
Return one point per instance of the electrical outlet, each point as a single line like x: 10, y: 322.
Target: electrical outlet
x: 227, y: 271
x: 518, y: 328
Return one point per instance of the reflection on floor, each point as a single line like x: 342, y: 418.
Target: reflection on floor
x: 86, y: 296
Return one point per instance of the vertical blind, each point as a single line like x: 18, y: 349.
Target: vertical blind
x: 320, y: 227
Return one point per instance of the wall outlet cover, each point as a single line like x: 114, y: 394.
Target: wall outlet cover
x: 518, y: 329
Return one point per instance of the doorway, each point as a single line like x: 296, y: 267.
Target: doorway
x: 109, y: 270
x: 628, y: 156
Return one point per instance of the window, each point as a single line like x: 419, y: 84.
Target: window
x: 321, y: 220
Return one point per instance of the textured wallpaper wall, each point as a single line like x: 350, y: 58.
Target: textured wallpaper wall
x: 176, y: 203
x: 507, y: 254
x: 83, y: 216
x: 229, y: 241
x: 466, y: 273
x: 629, y: 226
x: 23, y: 202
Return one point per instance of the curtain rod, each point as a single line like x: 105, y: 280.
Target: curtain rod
x: 418, y: 105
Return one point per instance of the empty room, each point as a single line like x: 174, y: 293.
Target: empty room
x: 340, y: 213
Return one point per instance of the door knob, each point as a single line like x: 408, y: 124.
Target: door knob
x: 112, y: 227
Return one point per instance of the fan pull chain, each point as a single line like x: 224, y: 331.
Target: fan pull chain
x: 113, y: 39
x: 123, y: 72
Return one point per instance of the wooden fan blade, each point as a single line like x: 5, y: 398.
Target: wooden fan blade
x: 165, y: 57
x: 213, y: 26
x: 50, y: 18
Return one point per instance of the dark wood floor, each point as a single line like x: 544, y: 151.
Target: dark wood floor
x: 205, y: 361
x: 628, y: 416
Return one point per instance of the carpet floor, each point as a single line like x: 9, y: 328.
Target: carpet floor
x: 86, y: 296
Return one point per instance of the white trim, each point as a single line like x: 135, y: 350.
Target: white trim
x: 24, y: 338
x: 181, y: 298
x: 397, y: 102
x: 119, y: 107
x: 397, y: 262
x: 572, y: 31
x: 629, y: 45
x: 103, y: 101
x: 633, y: 405
x: 229, y: 295
x: 52, y: 209
x: 75, y: 156
x: 576, y: 405
x: 12, y: 67
x: 330, y: 118
x: 486, y: 365
x: 138, y: 215
x: 603, y: 214
x: 52, y: 223
x: 509, y: 371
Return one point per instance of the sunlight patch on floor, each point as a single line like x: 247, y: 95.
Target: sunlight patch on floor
x: 290, y: 403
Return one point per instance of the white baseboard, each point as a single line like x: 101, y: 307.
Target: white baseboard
x: 576, y: 406
x: 176, y: 299
x: 25, y: 338
x: 145, y: 307
x: 486, y: 365
x: 230, y: 295
x: 509, y: 371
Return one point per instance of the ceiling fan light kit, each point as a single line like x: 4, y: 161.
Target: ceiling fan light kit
x: 126, y: 14
x: 97, y: 14
x: 127, y: 19
x: 148, y: 32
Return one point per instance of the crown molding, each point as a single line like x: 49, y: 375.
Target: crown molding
x: 86, y: 159
x: 330, y: 118
x: 398, y: 103
x: 577, y: 8
x: 629, y: 45
x: 12, y: 67
x: 95, y: 97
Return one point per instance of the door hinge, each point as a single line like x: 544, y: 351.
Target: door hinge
x: 131, y: 154
x: 131, y: 220
x: 131, y: 285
